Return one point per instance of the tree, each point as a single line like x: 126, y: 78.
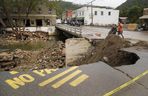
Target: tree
x: 56, y: 6
x: 61, y: 6
x: 18, y: 8
x: 134, y: 13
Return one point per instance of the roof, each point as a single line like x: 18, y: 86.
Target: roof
x: 144, y: 17
x: 123, y: 17
x: 145, y: 8
x: 107, y: 7
x: 36, y: 15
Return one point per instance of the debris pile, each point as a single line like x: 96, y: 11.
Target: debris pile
x: 52, y: 57
x: 26, y: 35
x: 7, y: 60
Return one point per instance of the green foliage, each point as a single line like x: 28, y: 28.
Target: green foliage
x: 133, y: 9
x: 134, y: 13
x: 61, y: 6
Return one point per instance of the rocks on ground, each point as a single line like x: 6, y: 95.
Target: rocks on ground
x: 25, y: 35
x: 7, y: 60
x: 53, y: 57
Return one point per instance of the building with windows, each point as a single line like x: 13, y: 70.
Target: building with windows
x: 67, y: 15
x: 96, y: 15
x: 144, y: 19
x: 42, y: 16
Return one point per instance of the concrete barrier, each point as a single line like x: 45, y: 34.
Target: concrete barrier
x: 75, y: 49
x: 132, y: 27
x: 49, y: 29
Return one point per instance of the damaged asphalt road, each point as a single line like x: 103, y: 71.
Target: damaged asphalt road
x: 88, y: 80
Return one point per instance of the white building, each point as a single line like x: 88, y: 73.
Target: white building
x: 101, y: 16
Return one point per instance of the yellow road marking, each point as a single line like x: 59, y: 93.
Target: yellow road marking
x: 126, y: 84
x: 20, y: 81
x: 79, y: 80
x: 61, y: 82
x: 13, y: 72
x: 44, y: 72
x: 57, y: 76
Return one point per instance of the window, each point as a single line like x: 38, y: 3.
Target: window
x: 39, y: 10
x: 109, y: 13
x: 82, y: 13
x: 102, y: 13
x: 76, y: 13
x: 95, y: 12
x: 49, y: 10
x: 32, y: 22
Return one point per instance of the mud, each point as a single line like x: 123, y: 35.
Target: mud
x: 142, y: 44
x: 109, y: 51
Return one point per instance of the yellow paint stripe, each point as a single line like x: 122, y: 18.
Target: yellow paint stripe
x: 61, y: 82
x: 79, y: 80
x: 57, y: 76
x: 13, y: 72
x: 126, y: 84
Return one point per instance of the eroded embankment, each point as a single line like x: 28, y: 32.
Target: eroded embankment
x: 109, y: 51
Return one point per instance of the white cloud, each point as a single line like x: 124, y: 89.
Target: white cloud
x: 111, y: 3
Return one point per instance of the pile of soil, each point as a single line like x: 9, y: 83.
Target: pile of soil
x: 108, y: 51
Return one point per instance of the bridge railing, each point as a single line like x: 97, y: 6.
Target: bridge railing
x: 73, y: 29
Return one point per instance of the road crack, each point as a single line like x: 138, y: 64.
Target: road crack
x: 130, y: 77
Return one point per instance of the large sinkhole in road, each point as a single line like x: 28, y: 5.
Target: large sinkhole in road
x: 117, y: 59
x: 123, y: 58
x: 109, y: 51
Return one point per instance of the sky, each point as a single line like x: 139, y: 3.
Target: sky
x: 110, y: 3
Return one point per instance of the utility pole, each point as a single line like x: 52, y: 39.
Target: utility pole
x: 92, y: 15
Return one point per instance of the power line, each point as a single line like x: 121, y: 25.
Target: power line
x: 92, y: 17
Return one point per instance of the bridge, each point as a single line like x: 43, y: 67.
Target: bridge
x: 97, y: 33
x: 73, y: 31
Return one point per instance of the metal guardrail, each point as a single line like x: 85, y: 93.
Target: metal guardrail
x: 72, y: 29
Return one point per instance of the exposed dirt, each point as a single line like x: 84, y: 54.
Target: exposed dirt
x: 142, y: 44
x: 108, y: 51
x: 53, y: 57
x: 27, y: 55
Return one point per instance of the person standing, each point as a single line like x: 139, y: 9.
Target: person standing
x: 113, y: 29
x: 120, y: 29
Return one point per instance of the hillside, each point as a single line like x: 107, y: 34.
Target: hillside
x: 68, y: 5
x: 62, y: 6
x: 129, y: 4
x: 133, y: 9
